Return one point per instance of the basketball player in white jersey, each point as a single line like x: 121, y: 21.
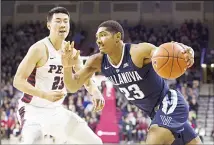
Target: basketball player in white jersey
x: 40, y: 78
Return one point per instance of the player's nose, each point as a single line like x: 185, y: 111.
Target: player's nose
x: 62, y: 25
x: 99, y: 43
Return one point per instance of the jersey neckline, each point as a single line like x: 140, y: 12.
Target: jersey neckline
x: 51, y: 44
x: 121, y: 60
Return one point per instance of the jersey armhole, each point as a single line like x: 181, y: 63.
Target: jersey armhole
x: 47, y: 53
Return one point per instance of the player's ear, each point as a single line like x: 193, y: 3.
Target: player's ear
x: 48, y: 25
x: 118, y: 36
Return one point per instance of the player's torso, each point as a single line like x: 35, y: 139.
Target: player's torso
x: 47, y: 77
x: 141, y: 86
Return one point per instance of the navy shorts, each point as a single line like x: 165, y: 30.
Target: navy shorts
x: 173, y: 114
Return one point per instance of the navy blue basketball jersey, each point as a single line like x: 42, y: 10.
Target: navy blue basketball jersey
x: 141, y: 86
x: 145, y: 89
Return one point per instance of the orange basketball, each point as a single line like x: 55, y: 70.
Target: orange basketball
x: 168, y: 61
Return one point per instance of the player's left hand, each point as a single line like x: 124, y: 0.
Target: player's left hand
x: 188, y: 54
x: 98, y: 103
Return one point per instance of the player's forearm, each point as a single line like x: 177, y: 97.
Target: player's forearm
x: 91, y: 87
x: 24, y: 86
x: 72, y: 82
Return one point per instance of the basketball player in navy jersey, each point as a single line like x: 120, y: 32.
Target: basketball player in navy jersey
x: 40, y: 78
x: 129, y: 67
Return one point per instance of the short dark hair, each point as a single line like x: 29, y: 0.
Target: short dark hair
x: 56, y: 10
x: 113, y: 27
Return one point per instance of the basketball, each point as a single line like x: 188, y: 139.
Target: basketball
x: 168, y: 61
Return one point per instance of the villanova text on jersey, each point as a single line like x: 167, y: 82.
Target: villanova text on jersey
x: 126, y: 77
x: 141, y: 86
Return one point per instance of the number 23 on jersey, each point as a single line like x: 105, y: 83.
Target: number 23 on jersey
x: 133, y: 89
x: 58, y: 83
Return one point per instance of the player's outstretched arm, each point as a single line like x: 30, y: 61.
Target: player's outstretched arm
x: 89, y: 84
x: 24, y: 70
x: 74, y: 81
x: 91, y: 87
x: 146, y: 50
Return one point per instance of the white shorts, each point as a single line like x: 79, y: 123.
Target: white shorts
x: 62, y: 124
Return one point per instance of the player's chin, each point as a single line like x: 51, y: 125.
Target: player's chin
x: 102, y: 51
x: 63, y: 35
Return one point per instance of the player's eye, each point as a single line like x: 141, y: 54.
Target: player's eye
x: 103, y: 34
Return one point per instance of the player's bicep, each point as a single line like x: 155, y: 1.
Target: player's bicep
x: 146, y: 50
x: 28, y: 63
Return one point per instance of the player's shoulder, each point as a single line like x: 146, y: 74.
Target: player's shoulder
x: 142, y: 48
x: 37, y: 50
x: 97, y: 56
x: 38, y: 46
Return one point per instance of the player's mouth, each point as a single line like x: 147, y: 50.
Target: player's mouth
x: 62, y: 31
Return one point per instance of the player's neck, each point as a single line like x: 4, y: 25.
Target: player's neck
x: 116, y: 55
x: 56, y: 42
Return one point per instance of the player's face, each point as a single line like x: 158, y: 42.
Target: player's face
x: 59, y: 26
x: 105, y: 40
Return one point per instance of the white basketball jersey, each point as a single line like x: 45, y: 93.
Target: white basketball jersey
x: 48, y: 77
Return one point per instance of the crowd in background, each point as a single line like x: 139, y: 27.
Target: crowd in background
x: 133, y: 123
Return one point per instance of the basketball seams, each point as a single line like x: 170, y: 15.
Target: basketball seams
x: 172, y: 59
x: 178, y: 61
x: 169, y: 57
x: 165, y: 62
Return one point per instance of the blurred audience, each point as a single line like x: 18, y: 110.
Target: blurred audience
x: 133, y: 123
x: 212, y: 133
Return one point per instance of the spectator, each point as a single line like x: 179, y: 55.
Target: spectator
x: 78, y: 39
x: 212, y: 133
x: 192, y: 119
x: 201, y: 131
x: 10, y: 126
x: 141, y: 127
x: 3, y: 124
x: 194, y: 105
x: 128, y: 129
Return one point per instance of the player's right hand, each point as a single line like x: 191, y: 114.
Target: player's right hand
x: 69, y: 55
x: 98, y: 103
x: 53, y: 95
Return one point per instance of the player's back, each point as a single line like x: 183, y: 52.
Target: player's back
x: 141, y: 86
x: 47, y: 77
